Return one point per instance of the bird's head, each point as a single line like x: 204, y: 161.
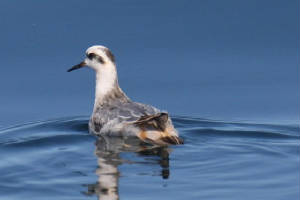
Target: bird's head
x: 97, y: 57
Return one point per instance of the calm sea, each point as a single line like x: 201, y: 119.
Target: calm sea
x: 227, y: 72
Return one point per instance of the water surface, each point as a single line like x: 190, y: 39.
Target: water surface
x: 59, y: 159
x: 229, y: 60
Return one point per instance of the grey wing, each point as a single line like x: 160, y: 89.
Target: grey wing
x: 120, y: 112
x: 132, y: 111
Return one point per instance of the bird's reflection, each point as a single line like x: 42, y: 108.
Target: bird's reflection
x: 108, y: 154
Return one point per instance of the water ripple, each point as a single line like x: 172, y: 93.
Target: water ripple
x: 60, y: 159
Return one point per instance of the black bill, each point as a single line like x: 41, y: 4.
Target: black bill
x: 82, y: 64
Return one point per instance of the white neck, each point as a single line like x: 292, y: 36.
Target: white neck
x: 106, y: 80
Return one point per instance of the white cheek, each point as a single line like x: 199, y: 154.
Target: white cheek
x: 92, y: 64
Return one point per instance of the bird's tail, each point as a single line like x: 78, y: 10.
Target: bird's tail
x: 157, y: 129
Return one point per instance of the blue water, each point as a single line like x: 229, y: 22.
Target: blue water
x: 231, y: 67
x: 58, y: 159
x: 227, y: 60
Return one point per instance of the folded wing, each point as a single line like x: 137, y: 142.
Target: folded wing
x: 158, y: 129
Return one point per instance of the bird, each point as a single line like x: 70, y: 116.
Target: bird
x: 115, y: 114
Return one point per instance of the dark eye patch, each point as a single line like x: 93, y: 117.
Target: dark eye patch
x: 92, y: 56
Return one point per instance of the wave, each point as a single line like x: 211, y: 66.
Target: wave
x: 64, y: 129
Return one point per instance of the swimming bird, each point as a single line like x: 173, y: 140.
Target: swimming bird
x: 114, y: 114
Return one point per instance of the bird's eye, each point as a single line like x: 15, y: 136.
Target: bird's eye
x: 91, y: 56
